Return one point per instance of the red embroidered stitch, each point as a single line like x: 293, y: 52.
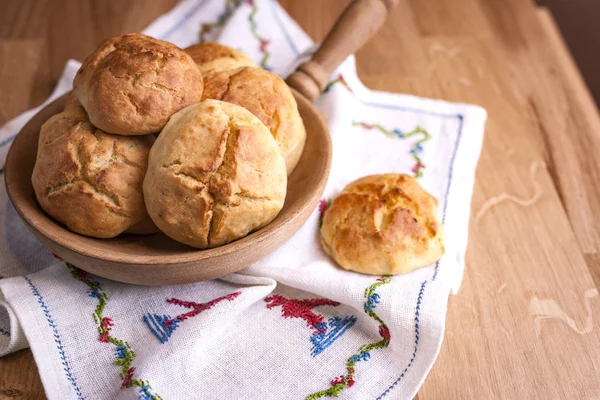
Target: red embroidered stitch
x: 263, y: 45
x: 323, y: 206
x: 197, y: 307
x: 384, y: 331
x: 417, y: 167
x: 127, y: 378
x: 300, y: 309
x: 105, y: 326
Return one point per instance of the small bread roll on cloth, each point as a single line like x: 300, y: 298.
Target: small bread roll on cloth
x: 88, y: 179
x: 383, y: 225
x: 268, y: 97
x: 210, y: 56
x: 215, y: 174
x: 133, y: 83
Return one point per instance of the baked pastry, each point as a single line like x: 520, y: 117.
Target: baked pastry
x: 211, y: 56
x: 90, y: 180
x: 383, y: 224
x: 214, y: 175
x: 267, y: 96
x: 131, y: 84
x: 144, y: 227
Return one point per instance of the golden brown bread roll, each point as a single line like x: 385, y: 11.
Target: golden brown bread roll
x: 131, y: 84
x: 267, y: 96
x: 144, y: 227
x: 383, y: 224
x: 214, y: 175
x: 210, y: 56
x: 88, y: 179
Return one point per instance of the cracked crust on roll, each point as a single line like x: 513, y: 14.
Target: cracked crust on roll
x: 131, y: 84
x: 215, y: 174
x: 90, y: 180
x: 383, y: 225
x: 268, y: 97
x: 210, y: 56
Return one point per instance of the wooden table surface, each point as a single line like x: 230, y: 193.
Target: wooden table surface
x: 524, y: 323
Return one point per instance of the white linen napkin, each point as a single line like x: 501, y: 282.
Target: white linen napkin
x: 291, y: 326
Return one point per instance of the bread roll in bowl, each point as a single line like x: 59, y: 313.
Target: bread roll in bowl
x: 131, y: 84
x: 382, y: 225
x: 90, y: 180
x: 215, y: 174
x: 210, y: 56
x: 268, y: 97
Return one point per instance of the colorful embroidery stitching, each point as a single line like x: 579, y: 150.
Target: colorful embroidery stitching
x: 414, y: 354
x: 230, y: 6
x: 324, y: 334
x: 323, y: 206
x: 124, y: 354
x: 57, y: 340
x: 163, y: 326
x: 263, y: 43
x: 416, y: 149
x: 339, y: 383
x: 339, y: 79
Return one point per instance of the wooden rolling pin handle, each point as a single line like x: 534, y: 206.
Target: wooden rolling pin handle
x: 359, y: 21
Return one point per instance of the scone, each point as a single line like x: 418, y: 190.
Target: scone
x: 211, y: 56
x: 215, y: 174
x: 267, y: 96
x: 131, y: 84
x: 90, y: 180
x: 383, y: 225
x: 144, y: 227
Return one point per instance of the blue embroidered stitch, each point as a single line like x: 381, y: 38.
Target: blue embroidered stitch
x: 8, y: 140
x: 414, y: 354
x: 157, y: 325
x: 162, y: 327
x: 435, y: 114
x: 5, y: 332
x: 57, y: 339
x: 145, y: 393
x: 372, y: 302
x: 325, y: 336
x: 450, y: 173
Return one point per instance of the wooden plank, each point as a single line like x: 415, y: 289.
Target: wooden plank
x: 528, y: 295
x: 19, y: 378
x: 522, y: 325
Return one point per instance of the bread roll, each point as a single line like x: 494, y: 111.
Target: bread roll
x: 210, y: 56
x: 90, y: 180
x: 131, y: 84
x: 214, y: 175
x: 267, y: 96
x: 383, y: 224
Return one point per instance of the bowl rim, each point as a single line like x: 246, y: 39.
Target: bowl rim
x: 37, y: 220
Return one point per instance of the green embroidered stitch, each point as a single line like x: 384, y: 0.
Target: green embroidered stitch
x: 415, y: 149
x: 342, y: 382
x: 125, y: 354
x: 263, y: 42
x: 230, y: 6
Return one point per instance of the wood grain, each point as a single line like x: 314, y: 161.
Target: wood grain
x: 524, y: 325
x: 356, y: 24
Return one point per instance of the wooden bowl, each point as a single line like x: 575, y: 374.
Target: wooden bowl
x: 157, y: 259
